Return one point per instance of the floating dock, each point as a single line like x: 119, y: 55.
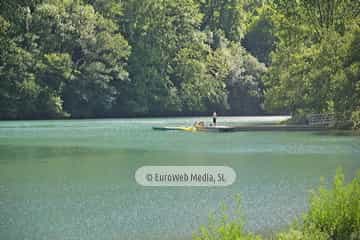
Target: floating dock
x: 266, y: 128
x: 250, y: 128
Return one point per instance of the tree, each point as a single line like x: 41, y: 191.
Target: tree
x: 98, y: 55
x: 245, y: 82
x: 168, y: 65
x: 60, y: 57
x: 259, y: 39
x: 312, y: 73
x: 227, y: 16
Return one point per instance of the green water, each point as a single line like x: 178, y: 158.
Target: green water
x: 75, y: 179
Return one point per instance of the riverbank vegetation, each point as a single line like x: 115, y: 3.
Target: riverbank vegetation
x: 333, y: 214
x: 110, y: 58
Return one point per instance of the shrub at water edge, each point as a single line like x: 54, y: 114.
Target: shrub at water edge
x: 334, y: 214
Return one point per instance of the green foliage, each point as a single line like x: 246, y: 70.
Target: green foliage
x: 55, y: 71
x: 108, y: 8
x: 18, y: 86
x: 325, y: 15
x: 333, y: 213
x: 172, y: 68
x: 99, y: 58
x: 245, y: 82
x: 190, y: 72
x: 75, y: 59
x: 336, y: 212
x: 312, y: 234
x: 224, y: 228
x: 227, y: 16
x: 313, y: 68
x: 259, y: 39
x: 355, y: 118
x: 157, y: 30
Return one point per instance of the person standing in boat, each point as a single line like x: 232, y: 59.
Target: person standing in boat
x: 214, y: 118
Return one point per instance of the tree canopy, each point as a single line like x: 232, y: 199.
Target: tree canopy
x: 110, y: 58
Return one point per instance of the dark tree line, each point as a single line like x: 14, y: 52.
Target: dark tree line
x: 100, y: 58
x: 110, y: 58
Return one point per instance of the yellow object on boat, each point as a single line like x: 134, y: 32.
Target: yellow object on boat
x: 189, y: 129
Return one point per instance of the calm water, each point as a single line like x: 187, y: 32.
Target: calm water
x: 75, y: 179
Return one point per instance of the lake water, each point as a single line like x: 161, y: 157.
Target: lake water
x: 74, y: 179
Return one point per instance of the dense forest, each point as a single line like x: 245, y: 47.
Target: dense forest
x: 115, y: 58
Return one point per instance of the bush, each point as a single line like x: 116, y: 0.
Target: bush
x: 225, y: 228
x: 294, y: 234
x: 336, y: 212
x: 355, y: 118
x: 298, y: 117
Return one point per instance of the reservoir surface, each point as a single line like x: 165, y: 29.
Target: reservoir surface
x: 74, y: 179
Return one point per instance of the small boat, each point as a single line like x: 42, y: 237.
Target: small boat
x: 196, y: 129
x: 188, y: 129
